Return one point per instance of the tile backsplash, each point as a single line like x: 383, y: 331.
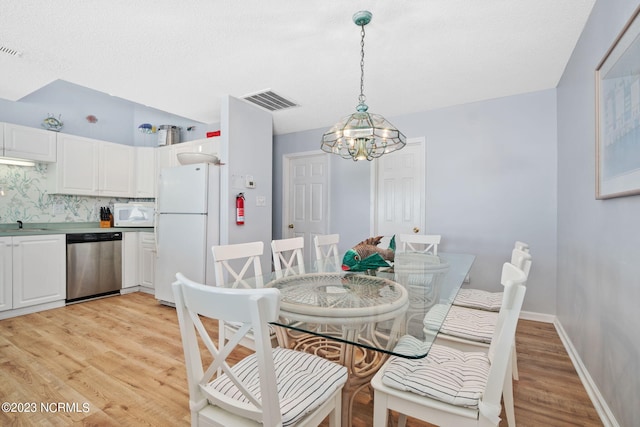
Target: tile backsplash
x: 26, y: 199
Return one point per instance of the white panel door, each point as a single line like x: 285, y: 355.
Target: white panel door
x: 400, y: 191
x: 307, y: 201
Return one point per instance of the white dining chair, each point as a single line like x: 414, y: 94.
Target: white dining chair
x: 425, y: 243
x: 247, y: 257
x: 471, y: 329
x: 326, y: 246
x: 422, y: 275
x: 521, y: 246
x: 287, y: 256
x: 450, y: 387
x: 486, y: 300
x: 224, y: 255
x: 272, y: 386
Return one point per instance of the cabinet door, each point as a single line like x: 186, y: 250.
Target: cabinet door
x: 166, y: 158
x: 146, y: 176
x: 76, y: 171
x: 117, y: 164
x: 39, y: 269
x: 130, y: 249
x: 147, y: 260
x: 23, y: 142
x: 6, y: 281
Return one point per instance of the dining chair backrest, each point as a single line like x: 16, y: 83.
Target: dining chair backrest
x: 287, y: 255
x: 521, y: 246
x: 254, y: 309
x: 521, y: 259
x: 224, y: 254
x: 425, y: 243
x: 500, y: 351
x: 326, y: 246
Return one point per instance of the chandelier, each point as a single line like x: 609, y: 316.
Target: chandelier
x: 362, y: 135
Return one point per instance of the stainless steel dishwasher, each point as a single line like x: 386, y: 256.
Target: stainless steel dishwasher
x: 94, y: 265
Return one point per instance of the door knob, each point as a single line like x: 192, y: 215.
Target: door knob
x: 416, y: 230
x: 290, y: 225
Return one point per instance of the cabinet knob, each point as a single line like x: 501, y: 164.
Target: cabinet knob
x: 290, y: 225
x: 416, y: 230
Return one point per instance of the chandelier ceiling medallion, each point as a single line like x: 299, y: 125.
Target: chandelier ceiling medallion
x: 362, y: 135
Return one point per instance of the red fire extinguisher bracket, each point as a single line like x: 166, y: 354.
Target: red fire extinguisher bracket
x: 240, y: 209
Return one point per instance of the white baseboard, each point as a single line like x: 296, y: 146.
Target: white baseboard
x: 606, y: 416
x: 31, y: 309
x: 538, y: 317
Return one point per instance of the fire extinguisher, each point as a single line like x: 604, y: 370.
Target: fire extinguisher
x: 240, y: 209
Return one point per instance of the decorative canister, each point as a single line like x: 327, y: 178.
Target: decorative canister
x: 168, y: 135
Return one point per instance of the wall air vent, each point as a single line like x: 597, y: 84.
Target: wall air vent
x: 9, y: 51
x: 270, y: 101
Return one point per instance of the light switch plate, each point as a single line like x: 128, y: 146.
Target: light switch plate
x: 261, y: 201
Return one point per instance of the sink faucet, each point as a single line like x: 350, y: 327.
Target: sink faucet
x: 20, y: 224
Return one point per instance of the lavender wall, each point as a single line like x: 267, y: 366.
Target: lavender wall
x: 598, y: 257
x: 491, y: 180
x: 118, y: 119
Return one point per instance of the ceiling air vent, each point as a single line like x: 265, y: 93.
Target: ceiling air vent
x: 10, y: 51
x: 270, y: 101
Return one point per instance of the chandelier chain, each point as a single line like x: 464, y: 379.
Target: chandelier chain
x: 361, y: 98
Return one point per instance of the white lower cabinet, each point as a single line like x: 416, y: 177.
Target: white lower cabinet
x: 138, y: 260
x: 6, y: 276
x: 147, y: 259
x: 33, y: 270
x: 129, y: 259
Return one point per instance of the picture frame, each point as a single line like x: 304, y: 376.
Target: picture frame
x: 618, y: 115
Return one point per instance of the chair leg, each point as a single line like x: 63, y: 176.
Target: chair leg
x: 514, y: 362
x: 507, y: 398
x: 380, y: 410
x: 335, y: 418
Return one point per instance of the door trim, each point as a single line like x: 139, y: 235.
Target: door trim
x: 286, y: 171
x: 421, y: 142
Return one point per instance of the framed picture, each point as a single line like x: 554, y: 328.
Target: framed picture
x: 618, y: 115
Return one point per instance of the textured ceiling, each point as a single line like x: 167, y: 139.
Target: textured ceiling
x: 182, y: 56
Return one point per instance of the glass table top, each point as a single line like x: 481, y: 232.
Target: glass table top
x: 371, y: 309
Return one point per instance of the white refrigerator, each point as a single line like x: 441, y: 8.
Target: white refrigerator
x: 188, y: 224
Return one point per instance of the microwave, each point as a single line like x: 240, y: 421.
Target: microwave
x: 136, y: 214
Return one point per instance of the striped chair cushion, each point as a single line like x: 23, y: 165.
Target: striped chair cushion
x: 434, y: 317
x: 479, y: 299
x: 304, y: 381
x: 446, y: 374
x: 467, y: 323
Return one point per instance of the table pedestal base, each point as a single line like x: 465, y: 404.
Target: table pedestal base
x: 361, y: 363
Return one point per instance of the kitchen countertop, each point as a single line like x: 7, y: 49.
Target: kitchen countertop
x: 33, y: 229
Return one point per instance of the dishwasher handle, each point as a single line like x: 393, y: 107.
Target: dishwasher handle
x: 93, y: 237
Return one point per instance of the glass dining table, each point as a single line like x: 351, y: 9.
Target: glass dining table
x: 357, y: 318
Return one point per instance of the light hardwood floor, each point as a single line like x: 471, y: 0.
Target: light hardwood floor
x: 118, y: 362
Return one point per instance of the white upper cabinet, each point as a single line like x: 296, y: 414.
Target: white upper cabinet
x: 92, y: 167
x: 146, y: 175
x: 117, y: 170
x: 28, y: 143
